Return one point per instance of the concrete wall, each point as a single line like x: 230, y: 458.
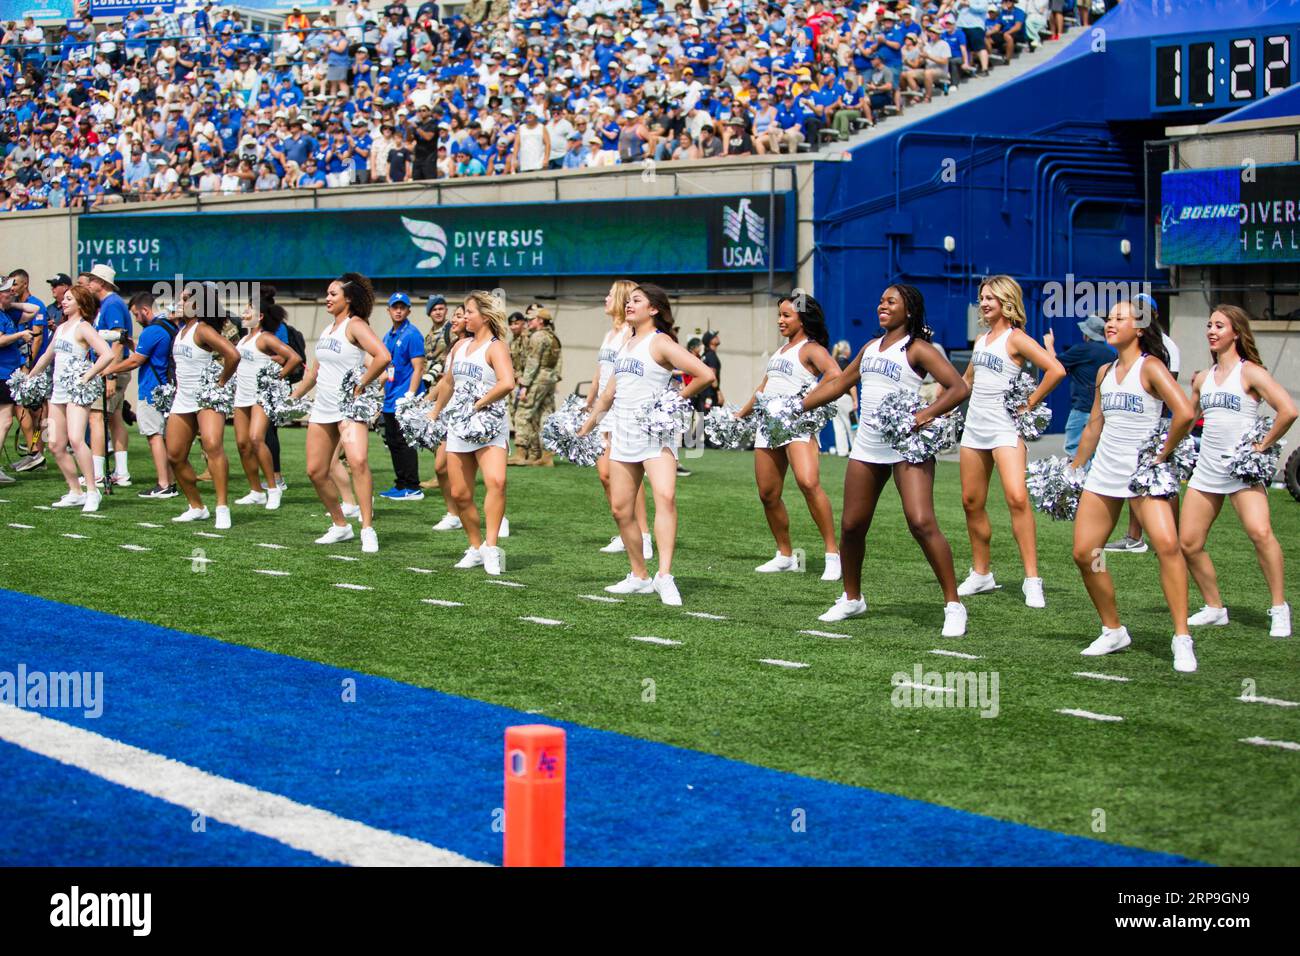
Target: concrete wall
x: 739, y: 307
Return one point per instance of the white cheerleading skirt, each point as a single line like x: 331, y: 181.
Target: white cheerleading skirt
x: 762, y: 441
x: 871, y: 447
x: 245, y: 391
x: 989, y: 426
x: 631, y: 447
x: 461, y: 447
x: 185, y: 403
x: 325, y: 407
x: 1211, y: 474
x: 1111, y: 470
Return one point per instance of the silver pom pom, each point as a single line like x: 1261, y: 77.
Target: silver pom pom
x: 70, y: 381
x: 723, y: 427
x: 1054, y: 487
x: 895, y: 419
x: 210, y: 395
x: 1031, y: 423
x: 784, y: 419
x: 364, y: 407
x: 477, y: 427
x: 560, y: 434
x: 1162, y: 479
x: 1255, y: 467
x: 31, y: 391
x: 273, y: 394
x: 162, y: 397
x: 418, y: 429
x: 664, y: 417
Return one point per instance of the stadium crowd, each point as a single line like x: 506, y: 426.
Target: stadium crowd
x: 161, y: 105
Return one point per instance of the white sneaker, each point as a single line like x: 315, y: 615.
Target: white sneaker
x: 832, y: 572
x: 91, y: 505
x: 954, y: 619
x: 667, y: 588
x: 273, y: 497
x: 70, y: 500
x: 223, y: 518
x: 632, y: 585
x: 369, y: 540
x: 6, y: 479
x: 1281, y: 615
x: 1109, y: 642
x: 615, y: 546
x: 647, y: 546
x: 337, y: 533
x: 449, y: 522
x: 504, y: 531
x: 492, y: 559
x: 1033, y: 590
x: 351, y: 511
x: 193, y: 514
x: 1184, y: 656
x: 122, y: 481
x: 1209, y: 616
x: 976, y: 584
x: 782, y: 562
x: 844, y: 609
x: 252, y: 498
x: 472, y: 558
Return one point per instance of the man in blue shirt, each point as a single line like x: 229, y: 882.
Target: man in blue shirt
x: 152, y: 356
x: 1082, y: 362
x: 405, y: 380
x: 114, y: 317
x: 12, y: 341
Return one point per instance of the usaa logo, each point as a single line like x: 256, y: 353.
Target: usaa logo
x: 751, y: 250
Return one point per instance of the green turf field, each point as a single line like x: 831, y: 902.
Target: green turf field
x: 1171, y: 776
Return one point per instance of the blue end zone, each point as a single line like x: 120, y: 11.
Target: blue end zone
x: 429, y: 765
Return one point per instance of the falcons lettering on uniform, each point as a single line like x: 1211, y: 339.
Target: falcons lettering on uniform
x: 1123, y: 402
x: 873, y: 365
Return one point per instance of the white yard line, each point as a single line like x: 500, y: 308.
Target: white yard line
x: 776, y: 662
x: 706, y: 617
x: 666, y: 642
x: 506, y: 584
x: 207, y: 534
x: 147, y: 524
x: 1095, y: 676
x: 24, y: 527
x: 303, y: 827
x: 354, y: 587
x: 341, y: 557
x: 273, y: 547
x: 965, y: 657
x: 133, y: 547
x: 600, y: 598
x: 77, y: 537
x: 438, y: 603
x: 1087, y: 714
x: 1265, y: 742
x: 1252, y: 699
x: 270, y: 573
x: 830, y: 634
x: 915, y: 686
x: 548, y: 621
x: 420, y: 570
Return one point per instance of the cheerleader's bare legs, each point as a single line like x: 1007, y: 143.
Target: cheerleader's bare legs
x: 625, y: 481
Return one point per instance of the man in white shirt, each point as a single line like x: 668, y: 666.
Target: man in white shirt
x: 559, y: 129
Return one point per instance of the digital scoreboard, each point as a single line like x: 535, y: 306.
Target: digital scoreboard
x: 1221, y: 70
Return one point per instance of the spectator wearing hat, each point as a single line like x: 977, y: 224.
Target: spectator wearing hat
x: 577, y: 156
x: 787, y: 132
x: 405, y: 382
x: 736, y: 140
x: 881, y: 89
x: 426, y: 145
x: 1082, y: 362
x: 438, y: 342
x: 764, y: 123
x: 853, y: 103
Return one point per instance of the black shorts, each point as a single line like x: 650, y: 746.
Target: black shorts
x: 974, y: 37
x: 6, y: 397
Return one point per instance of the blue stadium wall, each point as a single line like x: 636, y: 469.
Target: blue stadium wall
x: 1039, y: 178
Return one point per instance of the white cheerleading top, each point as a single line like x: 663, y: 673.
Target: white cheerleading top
x: 881, y: 372
x: 638, y: 378
x: 190, y: 359
x: 251, y: 362
x: 335, y: 357
x: 470, y: 364
x: 608, y: 354
x: 786, y: 374
x: 1229, y: 411
x: 988, y: 424
x: 1130, y: 413
x: 66, y: 347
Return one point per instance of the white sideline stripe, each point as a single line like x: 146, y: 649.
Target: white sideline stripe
x: 666, y: 642
x: 601, y: 598
x: 507, y: 584
x: 550, y: 621
x: 965, y: 657
x: 915, y: 686
x: 1096, y: 676
x: 420, y: 570
x: 274, y: 574
x: 273, y: 547
x: 1265, y: 742
x: 1071, y: 712
x: 302, y: 827
x: 147, y: 524
x: 42, y: 507
x: 355, y: 587
x: 26, y: 527
x: 707, y: 617
x: 92, y: 514
x: 78, y: 537
x: 439, y: 603
x: 825, y: 634
x: 341, y: 557
x: 1252, y: 699
x: 132, y: 547
x: 207, y: 534
x: 780, y: 663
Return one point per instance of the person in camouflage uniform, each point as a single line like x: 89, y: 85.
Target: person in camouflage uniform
x: 518, y: 358
x: 438, y: 342
x: 542, y: 372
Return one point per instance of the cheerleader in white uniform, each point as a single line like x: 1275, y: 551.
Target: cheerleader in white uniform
x: 346, y: 344
x: 991, y: 439
x: 1131, y: 394
x: 615, y: 338
x: 68, y: 421
x: 198, y: 343
x: 483, y: 357
x: 1229, y: 395
x: 897, y: 361
x: 796, y: 365
x: 643, y: 369
x: 259, y: 349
